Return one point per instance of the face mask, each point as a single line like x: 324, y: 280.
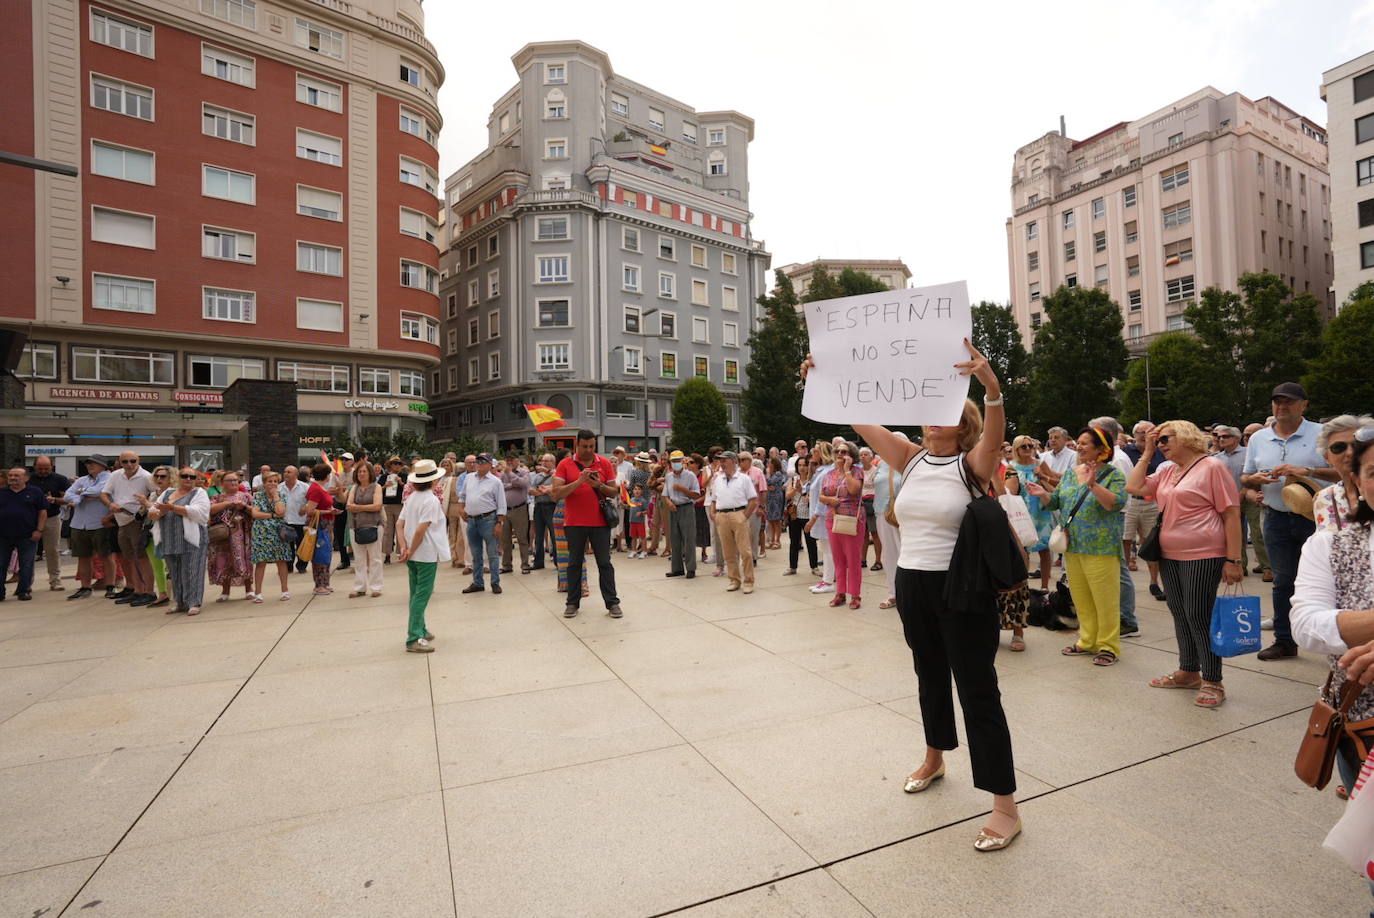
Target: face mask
x: 677, y: 466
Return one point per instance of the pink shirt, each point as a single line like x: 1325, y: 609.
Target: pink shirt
x: 1193, y: 527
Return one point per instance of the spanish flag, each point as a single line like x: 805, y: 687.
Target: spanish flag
x: 543, y: 417
x: 658, y: 149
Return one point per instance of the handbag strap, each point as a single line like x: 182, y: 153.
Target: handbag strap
x: 1076, y: 507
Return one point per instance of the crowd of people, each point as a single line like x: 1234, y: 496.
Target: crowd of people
x: 1188, y: 502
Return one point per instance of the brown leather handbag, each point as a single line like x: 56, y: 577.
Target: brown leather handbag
x: 1325, y: 727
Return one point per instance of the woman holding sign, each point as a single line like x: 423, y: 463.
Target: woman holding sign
x: 938, y: 482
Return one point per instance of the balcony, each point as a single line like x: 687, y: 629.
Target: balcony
x: 559, y: 196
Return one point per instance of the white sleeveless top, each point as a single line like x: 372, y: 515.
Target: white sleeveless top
x: 930, y: 509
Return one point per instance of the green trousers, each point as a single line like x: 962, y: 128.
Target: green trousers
x: 159, y: 569
x: 421, y: 574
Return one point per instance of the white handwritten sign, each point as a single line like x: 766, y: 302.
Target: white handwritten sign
x: 888, y: 358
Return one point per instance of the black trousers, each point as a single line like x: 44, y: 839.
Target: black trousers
x: 600, y: 539
x: 543, y: 529
x: 794, y: 544
x: 961, y: 643
x: 297, y: 533
x: 340, y: 530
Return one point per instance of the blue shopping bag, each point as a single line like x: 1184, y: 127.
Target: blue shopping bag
x: 1235, y: 625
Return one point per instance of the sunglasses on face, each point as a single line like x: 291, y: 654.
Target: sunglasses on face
x: 1164, y: 439
x: 128, y: 462
x: 189, y: 477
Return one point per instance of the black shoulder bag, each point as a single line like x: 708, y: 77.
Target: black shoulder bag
x: 609, y: 511
x: 1149, y: 550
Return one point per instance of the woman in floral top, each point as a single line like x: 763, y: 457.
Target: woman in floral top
x: 1098, y: 490
x: 1331, y: 506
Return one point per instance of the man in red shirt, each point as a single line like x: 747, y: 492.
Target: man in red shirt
x: 580, y: 481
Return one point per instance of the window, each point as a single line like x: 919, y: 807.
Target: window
x: 620, y: 408
x: 412, y: 326
x: 1033, y: 261
x: 1031, y: 231
x: 629, y: 278
x: 701, y: 367
x: 226, y: 124
x: 555, y: 107
x: 1034, y: 292
x: 411, y: 382
x: 629, y: 239
x: 667, y: 285
x: 421, y: 277
x: 556, y: 148
x: 1367, y: 254
x: 319, y: 259
x: 319, y: 315
x: 1099, y: 208
x: 472, y: 256
x: 1100, y: 276
x: 39, y: 361
x: 555, y: 73
x: 314, y: 377
x: 374, y: 381
x: 667, y: 325
x: 493, y: 245
x: 1035, y: 320
x: 218, y: 372
x: 119, y: 227
x: 239, y: 12
x: 319, y: 147
x: 698, y: 256
x: 727, y: 263
x: 1180, y: 288
x: 1175, y: 138
x: 1366, y: 211
x: 418, y: 174
x: 715, y: 164
x: 1067, y: 219
x: 121, y: 163
x: 1133, y: 300
x: 124, y: 294
x: 1133, y: 266
x: 552, y: 228
x: 1364, y: 171
x: 701, y: 330
x: 1178, y: 215
x: 729, y: 299
x: 1100, y: 241
x: 620, y: 105
x: 553, y: 313
x: 122, y: 98
x: 474, y: 296
x: 1136, y: 332
x: 689, y: 132
x: 634, y: 362
x: 474, y: 332
x: 1177, y: 323
x: 494, y: 365
x: 228, y: 305
x: 493, y: 324
x: 1176, y: 177
x: 732, y: 372
x: 699, y: 297
x: 474, y: 371
x: 225, y: 65
x: 667, y: 248
x: 553, y: 269
x: 231, y: 245
x: 1070, y: 251
x: 452, y: 342
x: 414, y: 223
x: 631, y: 322
x: 715, y: 137
x: 667, y: 364
x: 656, y: 119
x: 411, y: 73
x: 316, y: 202
x: 319, y: 93
x: 493, y: 284
x: 729, y: 334
x: 1131, y: 232
x: 414, y: 123
x: 320, y: 39
x: 555, y: 356
x: 124, y: 34
x: 1128, y: 196
x: 1177, y: 252
x: 229, y: 185
x: 116, y: 365
x: 1071, y: 280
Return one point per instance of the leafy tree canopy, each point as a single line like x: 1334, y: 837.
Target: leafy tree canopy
x: 1078, y: 354
x: 1340, y: 379
x: 700, y: 420
x: 998, y: 337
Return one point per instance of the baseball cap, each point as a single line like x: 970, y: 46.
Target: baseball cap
x: 345, y: 455
x: 484, y: 457
x: 729, y: 454
x: 676, y: 454
x: 1289, y: 390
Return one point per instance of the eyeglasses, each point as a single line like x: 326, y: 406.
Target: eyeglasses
x: 1164, y: 439
x: 189, y: 477
x: 160, y: 475
x: 128, y: 462
x: 843, y: 452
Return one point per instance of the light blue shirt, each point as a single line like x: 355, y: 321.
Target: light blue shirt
x: 295, y: 502
x: 819, y: 511
x: 1268, y: 450
x: 483, y: 494
x: 84, y: 495
x: 880, y: 487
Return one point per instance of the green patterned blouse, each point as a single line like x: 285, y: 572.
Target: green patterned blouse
x: 1095, y: 530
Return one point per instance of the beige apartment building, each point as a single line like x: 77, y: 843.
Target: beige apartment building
x: 891, y: 271
x: 1349, y: 94
x: 1155, y: 210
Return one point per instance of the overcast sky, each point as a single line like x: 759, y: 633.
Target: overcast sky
x: 887, y: 129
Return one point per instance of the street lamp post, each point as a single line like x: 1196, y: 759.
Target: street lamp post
x: 1149, y: 407
x: 643, y: 366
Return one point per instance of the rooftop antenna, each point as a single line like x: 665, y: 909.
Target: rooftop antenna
x: 1062, y: 129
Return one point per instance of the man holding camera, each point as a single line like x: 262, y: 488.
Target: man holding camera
x: 581, y: 481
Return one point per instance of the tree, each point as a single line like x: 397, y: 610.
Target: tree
x: 770, y: 405
x: 1255, y: 338
x: 465, y: 444
x: 1185, y: 377
x: 700, y: 420
x: 1340, y: 378
x: 1078, y: 353
x: 998, y: 337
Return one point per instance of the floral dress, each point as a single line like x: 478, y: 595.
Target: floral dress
x: 267, y: 543
x: 231, y: 562
x: 776, y: 502
x: 1041, y: 518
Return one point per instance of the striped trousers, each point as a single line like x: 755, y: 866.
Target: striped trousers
x: 1192, y: 589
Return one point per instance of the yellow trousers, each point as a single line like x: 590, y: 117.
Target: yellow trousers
x: 1095, y: 582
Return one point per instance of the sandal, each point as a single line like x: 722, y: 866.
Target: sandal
x: 1170, y: 681
x: 1211, y: 695
x: 887, y: 604
x: 194, y: 610
x: 877, y: 566
x: 1073, y: 650
x: 854, y: 603
x: 1104, y: 658
x: 1018, y: 645
x: 838, y: 600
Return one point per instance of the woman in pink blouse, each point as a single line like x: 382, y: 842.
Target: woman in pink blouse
x: 841, y: 490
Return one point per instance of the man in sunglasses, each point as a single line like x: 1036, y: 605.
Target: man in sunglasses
x: 121, y: 495
x: 1287, y: 448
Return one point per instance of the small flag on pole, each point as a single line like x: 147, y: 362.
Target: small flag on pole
x: 543, y: 417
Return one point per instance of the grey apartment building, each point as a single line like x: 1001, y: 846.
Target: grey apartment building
x: 599, y: 251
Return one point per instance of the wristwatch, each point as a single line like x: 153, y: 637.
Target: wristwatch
x: 1232, y: 560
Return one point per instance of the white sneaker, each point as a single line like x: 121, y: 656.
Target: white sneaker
x: 823, y: 587
x: 1267, y: 624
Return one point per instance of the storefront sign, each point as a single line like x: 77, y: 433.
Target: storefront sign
x: 46, y: 451
x: 314, y: 441
x: 105, y: 395
x: 419, y: 407
x: 371, y: 404
x: 209, y: 398
x: 660, y: 425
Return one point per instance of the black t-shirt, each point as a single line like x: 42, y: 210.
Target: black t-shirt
x: 19, y: 511
x: 398, y: 479
x: 53, y: 485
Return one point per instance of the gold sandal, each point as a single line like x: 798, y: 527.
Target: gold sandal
x: 1211, y: 695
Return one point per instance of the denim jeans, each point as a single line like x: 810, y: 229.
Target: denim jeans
x: 1284, y: 535
x: 1128, y: 619
x: 600, y: 538
x: 27, y: 548
x: 482, y: 541
x: 543, y: 530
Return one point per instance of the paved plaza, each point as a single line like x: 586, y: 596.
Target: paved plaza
x: 711, y: 754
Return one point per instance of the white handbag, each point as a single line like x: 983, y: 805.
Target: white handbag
x: 1018, y: 515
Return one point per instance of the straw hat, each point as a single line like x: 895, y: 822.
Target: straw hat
x: 426, y: 470
x: 1299, y: 493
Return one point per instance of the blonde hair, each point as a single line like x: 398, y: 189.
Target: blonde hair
x: 825, y: 452
x: 970, y: 427
x: 1187, y: 433
x: 1021, y: 441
